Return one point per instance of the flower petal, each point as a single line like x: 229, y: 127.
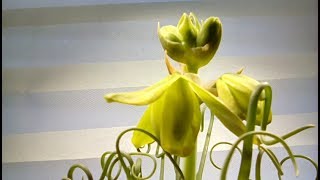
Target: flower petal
x: 177, y: 117
x: 174, y: 118
x: 140, y: 139
x: 145, y: 96
x: 227, y: 117
x: 225, y: 94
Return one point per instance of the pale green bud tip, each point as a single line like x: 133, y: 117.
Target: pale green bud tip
x: 210, y: 33
x: 187, y: 30
x: 191, y: 42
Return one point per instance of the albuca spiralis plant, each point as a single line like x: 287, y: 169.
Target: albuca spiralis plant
x: 176, y: 106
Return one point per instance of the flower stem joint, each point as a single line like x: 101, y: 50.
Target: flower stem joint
x: 191, y: 42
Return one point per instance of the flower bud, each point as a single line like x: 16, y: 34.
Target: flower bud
x: 188, y: 30
x: 191, y: 42
x: 235, y: 90
x: 171, y: 39
x: 209, y: 35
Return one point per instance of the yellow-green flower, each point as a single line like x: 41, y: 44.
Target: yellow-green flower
x: 235, y: 90
x: 191, y: 42
x: 173, y: 113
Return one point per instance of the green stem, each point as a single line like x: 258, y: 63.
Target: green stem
x: 258, y: 164
x: 192, y: 69
x: 189, y: 170
x: 205, y: 149
x: 162, y: 168
x: 246, y: 158
x: 177, y: 160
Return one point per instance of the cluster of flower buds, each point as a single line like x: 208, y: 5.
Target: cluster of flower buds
x: 191, y: 42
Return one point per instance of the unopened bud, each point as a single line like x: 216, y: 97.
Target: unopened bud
x: 235, y: 90
x: 191, y: 42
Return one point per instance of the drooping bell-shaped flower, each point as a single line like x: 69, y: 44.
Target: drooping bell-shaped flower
x: 191, y: 42
x: 235, y: 91
x: 173, y: 113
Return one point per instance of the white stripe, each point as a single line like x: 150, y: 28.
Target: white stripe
x: 91, y: 143
x: 145, y: 73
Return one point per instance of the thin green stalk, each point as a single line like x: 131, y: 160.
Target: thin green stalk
x: 267, y: 104
x: 162, y: 157
x: 205, y: 149
x: 177, y: 160
x: 189, y: 170
x: 246, y: 158
x: 162, y: 168
x: 258, y: 164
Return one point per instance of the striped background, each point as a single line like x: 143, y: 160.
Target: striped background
x: 60, y: 58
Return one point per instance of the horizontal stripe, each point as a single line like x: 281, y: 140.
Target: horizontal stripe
x: 145, y: 73
x: 91, y: 143
x: 75, y: 110
x: 57, y: 169
x: 18, y: 4
x: 135, y: 40
x: 117, y: 12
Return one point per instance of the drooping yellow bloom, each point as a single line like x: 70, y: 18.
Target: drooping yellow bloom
x: 235, y: 90
x: 173, y: 113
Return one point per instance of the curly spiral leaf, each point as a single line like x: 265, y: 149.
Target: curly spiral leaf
x: 273, y: 158
x: 251, y: 133
x: 106, y: 171
x: 136, y: 168
x: 82, y: 167
x: 127, y: 170
x: 302, y: 157
x: 211, y: 160
x: 286, y: 136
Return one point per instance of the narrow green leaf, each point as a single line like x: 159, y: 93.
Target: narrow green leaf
x: 286, y: 136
